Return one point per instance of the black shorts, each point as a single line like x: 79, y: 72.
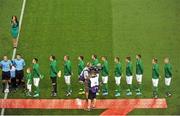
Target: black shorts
x: 53, y: 79
x: 91, y: 95
x: 6, y: 75
x: 19, y: 74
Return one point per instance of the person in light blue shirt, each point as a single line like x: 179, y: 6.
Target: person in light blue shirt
x: 13, y: 78
x: 19, y: 63
x: 5, y: 65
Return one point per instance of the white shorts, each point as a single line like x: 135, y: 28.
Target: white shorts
x: 67, y: 79
x: 129, y: 80
x: 36, y: 81
x: 118, y: 80
x: 104, y: 79
x: 167, y: 81
x: 29, y: 86
x: 139, y: 78
x: 155, y: 82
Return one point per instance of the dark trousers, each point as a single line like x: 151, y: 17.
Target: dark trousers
x: 5, y: 79
x: 13, y: 83
x: 54, y: 84
x: 19, y: 77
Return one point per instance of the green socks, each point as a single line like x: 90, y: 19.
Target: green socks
x: 105, y: 87
x: 130, y: 87
x: 167, y: 89
x: 118, y: 88
x: 155, y: 90
x: 68, y: 88
x: 139, y: 87
x: 37, y: 90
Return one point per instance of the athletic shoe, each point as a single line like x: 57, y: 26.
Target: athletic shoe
x: 137, y: 90
x: 129, y: 93
x: 52, y: 94
x: 36, y: 95
x: 128, y: 90
x: 80, y: 93
x: 105, y: 93
x: 55, y: 94
x: 28, y: 94
x: 97, y: 93
x: 138, y: 93
x: 81, y: 89
x: 68, y: 94
x: 168, y: 95
x: 6, y: 90
x: 116, y: 90
x: 117, y: 94
x: 156, y: 96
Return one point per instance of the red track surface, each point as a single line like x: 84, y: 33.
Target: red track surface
x: 113, y: 106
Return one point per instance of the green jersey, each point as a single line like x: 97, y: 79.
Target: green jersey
x: 53, y: 68
x: 129, y: 69
x: 168, y: 70
x: 81, y: 66
x: 155, y: 71
x: 139, y: 67
x: 67, y: 68
x: 36, y: 72
x: 118, y: 70
x: 95, y: 62
x: 29, y: 78
x: 15, y: 29
x: 105, y: 68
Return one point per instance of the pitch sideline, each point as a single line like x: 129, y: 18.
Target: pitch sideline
x: 112, y: 106
x: 14, y: 50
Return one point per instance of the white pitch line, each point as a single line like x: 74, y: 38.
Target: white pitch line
x: 14, y: 50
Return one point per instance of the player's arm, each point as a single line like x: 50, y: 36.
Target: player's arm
x: 157, y: 71
x: 69, y: 68
x: 131, y: 69
x: 54, y: 69
x: 120, y: 70
x: 36, y: 69
x: 141, y: 67
x: 170, y: 70
x: 106, y: 68
x: 81, y: 67
x: 24, y: 64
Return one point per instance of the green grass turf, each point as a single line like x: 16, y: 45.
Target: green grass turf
x: 7, y: 9
x: 105, y: 27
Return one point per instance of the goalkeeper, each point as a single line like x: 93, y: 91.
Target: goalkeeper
x: 53, y: 74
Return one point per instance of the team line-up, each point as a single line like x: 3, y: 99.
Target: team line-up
x: 13, y: 75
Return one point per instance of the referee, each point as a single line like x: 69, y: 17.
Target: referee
x: 19, y: 64
x: 5, y: 65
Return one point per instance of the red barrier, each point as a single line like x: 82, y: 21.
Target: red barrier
x: 113, y: 106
